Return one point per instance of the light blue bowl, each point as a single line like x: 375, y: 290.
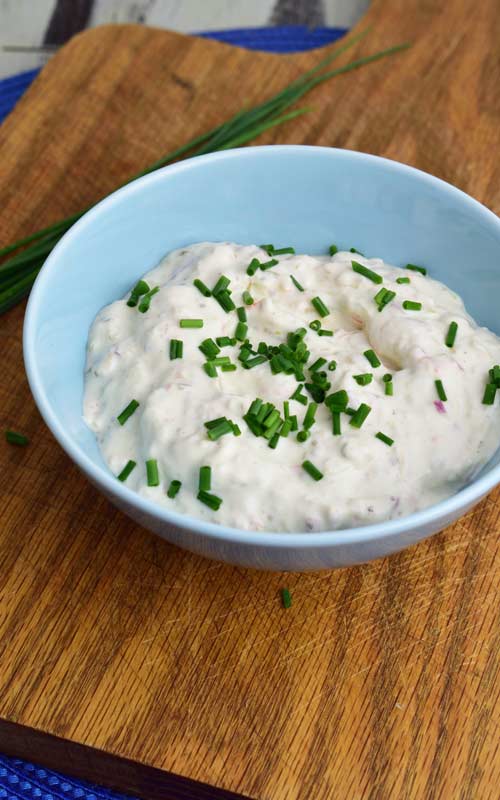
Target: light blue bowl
x: 305, y: 196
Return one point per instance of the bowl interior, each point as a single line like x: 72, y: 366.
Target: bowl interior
x: 302, y: 196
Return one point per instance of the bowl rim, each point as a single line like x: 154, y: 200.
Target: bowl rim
x: 426, y: 518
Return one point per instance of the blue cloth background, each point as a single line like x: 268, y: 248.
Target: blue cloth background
x: 24, y: 781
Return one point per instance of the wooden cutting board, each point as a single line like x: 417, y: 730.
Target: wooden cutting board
x: 381, y: 681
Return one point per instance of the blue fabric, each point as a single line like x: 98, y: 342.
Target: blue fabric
x: 285, y: 39
x: 20, y: 780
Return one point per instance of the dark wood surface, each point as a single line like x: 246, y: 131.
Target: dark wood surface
x: 382, y: 681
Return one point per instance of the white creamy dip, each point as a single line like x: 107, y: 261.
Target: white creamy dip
x: 437, y: 445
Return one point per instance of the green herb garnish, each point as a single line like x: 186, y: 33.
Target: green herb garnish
x: 210, y: 500
x: 152, y: 474
x: 440, y: 390
x: 373, y: 358
x: 127, y: 412
x: 415, y: 268
x: 176, y: 349
x: 383, y: 298
x: 298, y: 396
x: 286, y: 598
x: 297, y: 284
x: 221, y: 285
x: 320, y: 307
x: 174, y: 487
x: 19, y: 439
x: 385, y: 439
x: 411, y: 305
x: 333, y: 249
x: 312, y: 470
x: 366, y: 272
x: 451, y: 335
x: 206, y: 293
x: 127, y: 469
x: 332, y: 366
x: 364, y: 379
x: 403, y: 280
x: 205, y: 479
x: 146, y: 300
x: 489, y: 394
x: 253, y: 266
x: 247, y: 298
x: 317, y: 364
x: 241, y: 331
x: 315, y: 325
x: 140, y: 288
x: 336, y: 429
x: 360, y: 415
x: 191, y: 323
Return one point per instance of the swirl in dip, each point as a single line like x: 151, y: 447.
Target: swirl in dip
x: 354, y: 392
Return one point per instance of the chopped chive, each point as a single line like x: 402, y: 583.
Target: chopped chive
x: 332, y: 366
x: 236, y: 429
x: 385, y: 439
x: 286, y: 428
x: 286, y: 409
x: 12, y: 437
x: 223, y: 341
x: 241, y: 331
x: 440, y: 390
x: 387, y: 377
x: 273, y: 442
x: 146, y: 300
x: 303, y: 436
x: 241, y: 314
x: 245, y: 354
x: 317, y: 392
x: 173, y: 489
x: 140, y: 288
x: 389, y: 388
x: 298, y: 396
x: 247, y: 298
x: 312, y: 470
x: 225, y: 302
x: 350, y: 411
x: 221, y: 285
x: 255, y: 361
x: 127, y: 469
x: 221, y: 361
x: 410, y: 305
x: 414, y: 268
x: 265, y: 409
x: 320, y: 307
x: 297, y: 284
x: 403, y: 280
x: 336, y: 423
x: 253, y: 266
x: 360, y: 415
x: 219, y: 430
x: 317, y: 364
x: 271, y: 419
x: 206, y: 293
x: 451, y: 335
x: 212, y: 423
x: 286, y: 598
x: 210, y: 500
x: 228, y: 367
x: 127, y: 412
x: 209, y: 348
x: 489, y: 394
x: 383, y: 298
x: 210, y: 369
x: 368, y: 273
x: 310, y: 414
x: 353, y: 250
x: 268, y: 264
x: 267, y: 247
x: 191, y: 323
x: 495, y: 375
x: 176, y: 349
x: 152, y: 472
x: 205, y: 479
x: 337, y: 401
x: 364, y: 379
x: 295, y: 424
x: 372, y: 357
x: 315, y: 325
x: 282, y: 251
x: 324, y: 332
x: 333, y: 249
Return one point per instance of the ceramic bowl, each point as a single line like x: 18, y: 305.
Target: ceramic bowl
x: 306, y: 196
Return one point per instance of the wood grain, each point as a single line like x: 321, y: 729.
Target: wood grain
x: 382, y: 681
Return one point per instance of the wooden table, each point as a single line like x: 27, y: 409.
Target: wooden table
x: 382, y: 680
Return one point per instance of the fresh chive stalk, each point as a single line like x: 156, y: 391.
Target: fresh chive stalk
x: 311, y: 470
x: 297, y: 284
x: 19, y: 439
x: 372, y: 358
x: 416, y: 268
x: 127, y: 412
x: 191, y: 323
x: 385, y: 439
x: 440, y: 390
x: 127, y: 469
x: 152, y: 474
x: 173, y: 489
x: 451, y: 335
x: 240, y: 129
x: 366, y: 272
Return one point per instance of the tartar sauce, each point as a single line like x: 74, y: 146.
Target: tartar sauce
x: 393, y: 412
